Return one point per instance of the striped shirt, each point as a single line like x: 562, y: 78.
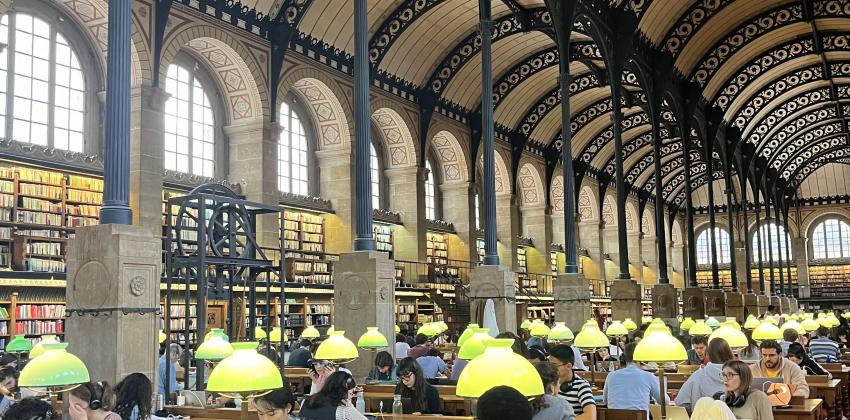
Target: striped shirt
x: 824, y: 350
x: 578, y: 393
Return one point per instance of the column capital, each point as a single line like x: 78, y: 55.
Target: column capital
x: 535, y: 208
x: 248, y: 130
x: 456, y: 187
x: 332, y: 155
x: 152, y: 97
x: 409, y: 170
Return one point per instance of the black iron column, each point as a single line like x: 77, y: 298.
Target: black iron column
x: 116, y: 174
x: 759, y: 239
x: 362, y: 144
x: 660, y: 227
x: 748, y: 254
x: 570, y: 245
x: 779, y: 242
x: 712, y: 222
x: 491, y: 257
x: 622, y: 192
x: 730, y: 206
x: 787, y: 255
x: 769, y: 245
x: 689, y: 203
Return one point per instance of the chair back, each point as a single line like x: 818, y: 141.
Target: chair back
x: 688, y: 369
x: 616, y: 414
x: 673, y: 412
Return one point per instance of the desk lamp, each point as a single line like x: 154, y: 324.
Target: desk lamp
x: 810, y: 325
x: 499, y: 365
x: 162, y: 337
x: 470, y: 329
x: 752, y: 322
x: 539, y: 329
x: 712, y: 322
x: 38, y: 349
x: 732, y: 323
x: 55, y: 369
x: 337, y: 348
x: 310, y: 333
x: 245, y: 373
x: 794, y: 325
x: 700, y: 328
x: 259, y: 333
x: 526, y: 324
x: 215, y: 346
x: 20, y: 345
x: 629, y: 324
x: 660, y: 348
x: 687, y: 324
x: 766, y: 331
x: 428, y: 330
x: 474, y: 345
x: 588, y: 340
x: 277, y: 335
x: 560, y: 333
x: 736, y: 339
x: 372, y: 340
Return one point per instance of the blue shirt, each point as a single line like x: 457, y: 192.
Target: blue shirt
x: 823, y: 350
x: 173, y: 385
x: 431, y: 365
x: 631, y: 389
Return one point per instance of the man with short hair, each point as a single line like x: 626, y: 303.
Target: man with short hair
x: 630, y: 388
x: 421, y: 348
x: 170, y: 359
x: 696, y: 355
x: 300, y: 356
x: 503, y: 402
x: 823, y: 349
x: 789, y: 336
x: 574, y: 389
x: 773, y: 365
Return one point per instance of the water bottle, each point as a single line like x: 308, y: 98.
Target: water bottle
x: 160, y: 402
x: 398, y: 408
x: 361, y: 402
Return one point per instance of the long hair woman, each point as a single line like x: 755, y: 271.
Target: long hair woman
x: 797, y: 354
x: 135, y: 393
x: 744, y: 403
x: 333, y: 401
x: 92, y: 401
x: 549, y: 406
x: 275, y: 405
x: 412, y: 384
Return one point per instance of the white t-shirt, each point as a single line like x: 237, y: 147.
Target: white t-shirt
x: 401, y: 349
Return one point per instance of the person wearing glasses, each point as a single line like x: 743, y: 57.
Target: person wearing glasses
x: 412, y: 384
x: 574, y: 389
x: 333, y: 401
x: 275, y: 405
x: 707, y: 381
x: 744, y: 403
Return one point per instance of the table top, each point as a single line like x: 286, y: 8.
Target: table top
x: 807, y: 407
x: 829, y: 384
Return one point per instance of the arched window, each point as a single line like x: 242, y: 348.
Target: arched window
x: 477, y: 211
x: 831, y: 239
x: 41, y: 73
x: 705, y: 247
x: 430, y: 193
x: 375, y: 174
x: 292, y: 153
x: 777, y: 250
x: 189, y: 124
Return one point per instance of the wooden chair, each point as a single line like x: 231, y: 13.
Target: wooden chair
x: 688, y: 369
x: 817, y: 379
x: 673, y: 412
x: 615, y: 414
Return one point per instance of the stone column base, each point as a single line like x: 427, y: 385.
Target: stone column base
x: 784, y: 305
x: 364, y: 296
x: 793, y: 305
x: 665, y: 303
x: 693, y: 303
x: 751, y: 304
x: 763, y: 303
x: 776, y: 302
x: 735, y: 306
x: 499, y: 284
x: 114, y: 266
x: 715, y: 303
x: 572, y: 300
x: 625, y: 300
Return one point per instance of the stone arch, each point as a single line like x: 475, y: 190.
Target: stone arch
x: 530, y: 185
x: 329, y: 116
x: 609, y: 211
x: 556, y: 194
x: 235, y: 69
x: 399, y: 147
x: 587, y: 204
x: 815, y: 218
x: 451, y: 157
x: 647, y: 222
x: 503, y: 176
x: 676, y: 233
x: 631, y: 218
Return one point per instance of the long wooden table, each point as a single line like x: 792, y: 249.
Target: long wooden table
x: 808, y: 410
x: 830, y: 391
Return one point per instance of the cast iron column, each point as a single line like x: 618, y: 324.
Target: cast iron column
x: 491, y: 257
x: 759, y: 238
x: 362, y: 144
x: 712, y: 222
x: 689, y: 204
x: 116, y: 174
x: 788, y: 252
x: 778, y: 255
x: 660, y: 228
x: 570, y: 246
x: 729, y: 210
x: 769, y: 245
x: 748, y: 254
x: 622, y: 192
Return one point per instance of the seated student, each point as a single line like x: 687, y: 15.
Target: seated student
x: 8, y: 384
x: 384, y: 369
x: 169, y: 361
x: 823, y: 349
x: 333, y: 401
x: 133, y: 397
x: 750, y: 354
x: 401, y: 346
x: 744, y: 402
x: 603, y: 359
x: 706, y: 381
x: 300, y: 356
x: 549, y: 406
x: 631, y: 388
x: 92, y: 400
x: 432, y: 364
x: 797, y: 354
x: 31, y: 408
x: 789, y: 336
x: 773, y: 365
x: 696, y: 355
x: 536, y: 354
x: 412, y: 384
x: 503, y: 402
x: 421, y: 348
x: 276, y: 405
x: 573, y: 388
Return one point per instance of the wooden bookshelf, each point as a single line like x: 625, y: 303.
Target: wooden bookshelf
x: 383, y: 235
x: 436, y: 249
x: 304, y: 247
x: 705, y: 279
x: 829, y: 280
x: 415, y: 311
x: 32, y: 316
x: 554, y: 258
x: 544, y: 312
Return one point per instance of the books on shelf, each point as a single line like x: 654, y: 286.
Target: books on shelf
x: 436, y: 249
x: 39, y: 311
x: 383, y: 235
x: 50, y: 192
x: 39, y: 327
x: 40, y: 176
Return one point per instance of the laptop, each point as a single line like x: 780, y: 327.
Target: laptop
x: 385, y: 405
x: 778, y: 393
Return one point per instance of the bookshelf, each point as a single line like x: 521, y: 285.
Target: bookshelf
x: 436, y: 249
x: 829, y: 280
x: 545, y: 312
x: 304, y: 247
x: 705, y: 280
x: 554, y: 258
x: 479, y: 247
x: 416, y: 311
x: 32, y: 313
x: 299, y: 315
x: 522, y: 269
x: 383, y: 235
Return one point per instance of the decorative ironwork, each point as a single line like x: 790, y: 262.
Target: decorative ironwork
x: 696, y: 16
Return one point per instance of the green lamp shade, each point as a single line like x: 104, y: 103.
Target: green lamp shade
x: 53, y: 368
x: 310, y: 332
x: 712, y: 322
x: 590, y: 339
x: 245, y: 371
x: 397, y: 329
x: 590, y: 323
x: 539, y: 330
x: 656, y: 328
x: 499, y: 365
x: 771, y: 320
x: 687, y: 324
x: 845, y: 315
x: 259, y: 333
x: 215, y: 346
x: 470, y: 329
x: 560, y: 332
x: 736, y: 339
x: 700, y: 328
x: 372, y: 339
x: 831, y: 318
x: 443, y: 327
x: 629, y: 324
x: 20, y: 344
x: 646, y: 320
x: 616, y: 329
x: 824, y: 322
x: 428, y: 330
x: 766, y: 331
x: 660, y: 347
x: 162, y: 337
x: 474, y: 345
x: 751, y: 323
x: 809, y: 324
x: 330, y: 330
x: 337, y: 348
x: 732, y: 323
x: 276, y: 336
x: 525, y: 324
x: 38, y: 349
x: 794, y: 325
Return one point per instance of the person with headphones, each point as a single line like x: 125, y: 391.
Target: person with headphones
x: 744, y: 403
x: 92, y: 401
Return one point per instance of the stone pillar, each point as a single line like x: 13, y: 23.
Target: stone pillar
x: 590, y: 238
x: 636, y: 256
x: 715, y: 303
x: 556, y: 223
x: 253, y: 164
x: 677, y: 265
x: 572, y: 300
x: 741, y: 265
x: 459, y: 210
x: 751, y: 304
x: 776, y: 302
x: 665, y: 303
x: 763, y: 302
x: 364, y: 293
x: 693, y: 303
x: 534, y: 222
x: 626, y: 300
x: 793, y: 305
x: 507, y: 226
x: 336, y: 184
x: 499, y: 284
x: 114, y: 266
x: 784, y: 305
x: 407, y: 197
x: 609, y: 246
x: 800, y: 252
x: 649, y: 261
x: 735, y: 306
x: 147, y: 156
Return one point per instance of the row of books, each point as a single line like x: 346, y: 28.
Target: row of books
x: 180, y: 323
x: 85, y: 182
x: 312, y: 237
x: 39, y: 311
x: 44, y: 248
x: 319, y: 308
x: 7, y: 200
x: 7, y: 187
x: 5, y: 214
x: 41, y: 265
x: 77, y: 221
x: 87, y: 210
x: 40, y: 205
x: 39, y: 327
x: 41, y: 233
x: 180, y: 311
x: 89, y: 197
x: 312, y: 278
x: 38, y: 175
x: 49, y: 192
x: 49, y: 219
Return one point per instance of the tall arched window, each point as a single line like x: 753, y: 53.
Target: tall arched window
x: 292, y: 153
x: 430, y: 193
x: 45, y: 82
x: 375, y: 174
x: 705, y: 248
x: 477, y: 211
x: 778, y: 248
x: 831, y: 239
x: 189, y: 124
